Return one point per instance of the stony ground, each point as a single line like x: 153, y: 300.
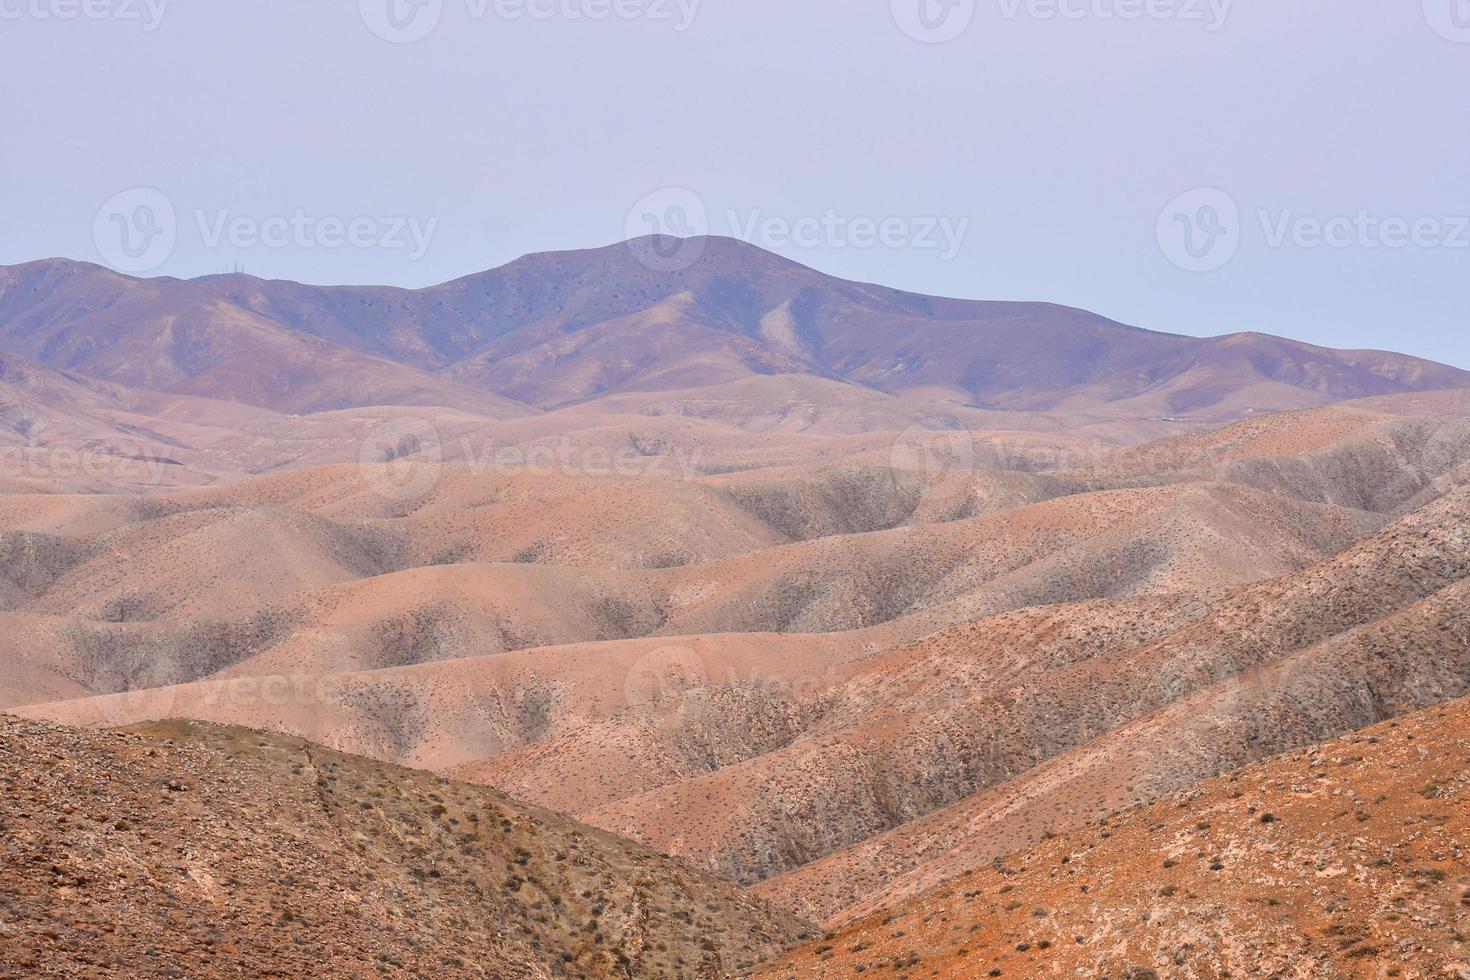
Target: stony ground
x: 1351, y: 859
x: 184, y: 850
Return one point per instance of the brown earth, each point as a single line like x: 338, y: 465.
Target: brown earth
x: 1348, y: 859
x: 289, y: 590
x: 191, y: 850
x: 985, y: 705
x: 831, y: 678
x: 824, y: 588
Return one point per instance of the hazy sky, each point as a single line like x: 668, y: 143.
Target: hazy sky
x: 1293, y: 166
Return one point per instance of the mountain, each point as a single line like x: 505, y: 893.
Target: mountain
x: 1343, y: 859
x: 185, y: 849
x: 825, y: 592
x: 192, y: 338
x: 559, y: 329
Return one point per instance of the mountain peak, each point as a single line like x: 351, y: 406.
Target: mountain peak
x: 528, y: 331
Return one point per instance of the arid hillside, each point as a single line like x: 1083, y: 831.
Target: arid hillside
x: 1379, y: 454
x: 1346, y: 859
x: 307, y: 572
x: 190, y: 850
x: 824, y: 592
x: 818, y: 677
x: 560, y: 329
x: 1131, y: 707
x: 837, y: 717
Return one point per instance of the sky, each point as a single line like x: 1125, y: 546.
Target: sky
x: 1295, y: 167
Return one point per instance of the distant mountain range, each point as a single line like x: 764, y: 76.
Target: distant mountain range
x: 821, y: 589
x: 559, y: 329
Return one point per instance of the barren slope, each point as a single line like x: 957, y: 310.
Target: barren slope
x: 188, y: 849
x: 202, y: 337
x: 1380, y: 454
x: 1344, y: 860
x: 1377, y: 630
x: 917, y: 578
x: 562, y: 328
x: 462, y: 712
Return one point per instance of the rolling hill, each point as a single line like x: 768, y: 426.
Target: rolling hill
x: 1344, y: 859
x: 825, y: 592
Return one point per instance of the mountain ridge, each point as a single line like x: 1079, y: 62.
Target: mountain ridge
x: 557, y: 329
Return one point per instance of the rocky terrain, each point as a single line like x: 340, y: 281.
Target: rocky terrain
x: 1350, y: 858
x: 1375, y: 631
x: 824, y: 592
x: 181, y: 849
